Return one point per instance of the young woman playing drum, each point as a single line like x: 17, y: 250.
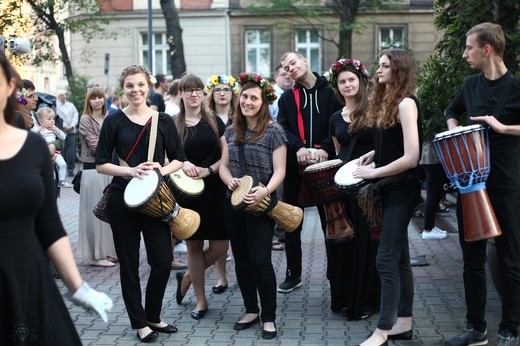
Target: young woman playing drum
x: 394, y: 113
x: 202, y: 136
x: 120, y: 133
x: 261, y: 144
x: 354, y: 282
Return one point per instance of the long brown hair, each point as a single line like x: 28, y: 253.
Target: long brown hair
x: 95, y: 91
x: 264, y: 118
x: 384, y: 101
x: 189, y: 80
x: 357, y: 114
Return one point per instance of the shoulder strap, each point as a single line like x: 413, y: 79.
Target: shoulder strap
x: 351, y: 146
x: 242, y: 158
x: 153, y: 135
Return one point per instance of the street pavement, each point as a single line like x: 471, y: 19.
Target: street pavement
x: 303, y: 316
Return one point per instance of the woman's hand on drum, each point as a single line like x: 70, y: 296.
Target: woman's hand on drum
x: 364, y: 172
x: 190, y: 169
x: 142, y: 169
x: 256, y: 195
x: 233, y: 184
x: 367, y: 158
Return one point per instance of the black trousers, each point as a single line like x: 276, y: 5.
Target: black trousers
x: 506, y: 204
x: 127, y: 227
x: 293, y: 240
x: 251, y: 241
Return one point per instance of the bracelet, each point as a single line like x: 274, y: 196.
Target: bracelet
x: 268, y: 192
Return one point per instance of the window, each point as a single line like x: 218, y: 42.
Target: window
x: 258, y: 51
x: 391, y: 37
x: 308, y: 43
x: 160, y: 53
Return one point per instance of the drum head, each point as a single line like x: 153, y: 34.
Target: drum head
x: 320, y: 166
x: 187, y: 184
x: 246, y: 184
x: 139, y: 191
x: 458, y: 130
x: 344, y: 176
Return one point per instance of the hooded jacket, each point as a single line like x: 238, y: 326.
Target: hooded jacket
x: 317, y: 105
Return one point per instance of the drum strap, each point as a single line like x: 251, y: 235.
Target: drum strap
x: 151, y: 143
x: 301, y: 129
x: 351, y: 146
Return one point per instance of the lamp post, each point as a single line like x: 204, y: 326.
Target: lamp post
x: 150, y: 60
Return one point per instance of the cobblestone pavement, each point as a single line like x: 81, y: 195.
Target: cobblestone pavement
x: 303, y: 316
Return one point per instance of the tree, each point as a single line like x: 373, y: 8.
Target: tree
x: 55, y: 18
x: 318, y: 15
x: 441, y: 77
x: 174, y: 34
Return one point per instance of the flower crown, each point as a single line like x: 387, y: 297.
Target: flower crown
x: 215, y: 80
x: 21, y: 96
x: 349, y: 64
x: 152, y: 78
x: 263, y: 83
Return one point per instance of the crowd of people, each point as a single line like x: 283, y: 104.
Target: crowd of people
x: 228, y: 128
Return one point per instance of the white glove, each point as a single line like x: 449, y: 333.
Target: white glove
x: 91, y: 299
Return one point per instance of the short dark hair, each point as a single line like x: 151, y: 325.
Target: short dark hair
x: 27, y: 84
x: 159, y: 78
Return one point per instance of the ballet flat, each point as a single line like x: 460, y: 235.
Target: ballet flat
x: 219, y: 289
x: 246, y: 325
x: 148, y: 338
x: 267, y: 335
x: 198, y: 314
x: 168, y: 329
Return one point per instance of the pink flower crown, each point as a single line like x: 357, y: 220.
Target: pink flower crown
x: 349, y: 64
x: 263, y: 83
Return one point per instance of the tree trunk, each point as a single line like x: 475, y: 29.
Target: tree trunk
x: 174, y: 35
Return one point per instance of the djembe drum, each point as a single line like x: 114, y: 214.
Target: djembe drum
x: 185, y: 188
x: 464, y: 154
x: 287, y: 216
x: 320, y: 179
x: 349, y: 185
x: 152, y: 196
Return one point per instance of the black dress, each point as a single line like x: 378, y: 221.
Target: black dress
x: 32, y: 311
x: 354, y: 280
x: 203, y: 150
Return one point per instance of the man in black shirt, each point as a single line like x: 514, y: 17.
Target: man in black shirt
x: 481, y: 97
x: 156, y: 98
x: 306, y: 126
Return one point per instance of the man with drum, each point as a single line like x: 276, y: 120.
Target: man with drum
x: 492, y: 98
x: 303, y: 112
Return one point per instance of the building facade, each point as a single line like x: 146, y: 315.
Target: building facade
x: 226, y: 36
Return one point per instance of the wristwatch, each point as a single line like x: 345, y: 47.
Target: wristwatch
x: 210, y: 170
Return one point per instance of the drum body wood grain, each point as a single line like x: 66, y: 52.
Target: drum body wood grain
x: 152, y: 196
x: 287, y: 216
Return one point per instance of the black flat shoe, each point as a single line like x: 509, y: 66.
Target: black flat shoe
x: 198, y: 314
x: 267, y: 335
x: 401, y: 336
x: 219, y: 289
x: 168, y: 329
x: 149, y: 338
x: 179, y: 297
x: 242, y: 326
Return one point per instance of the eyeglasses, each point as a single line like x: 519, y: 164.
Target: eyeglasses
x: 30, y: 96
x: 222, y: 90
x: 190, y: 91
